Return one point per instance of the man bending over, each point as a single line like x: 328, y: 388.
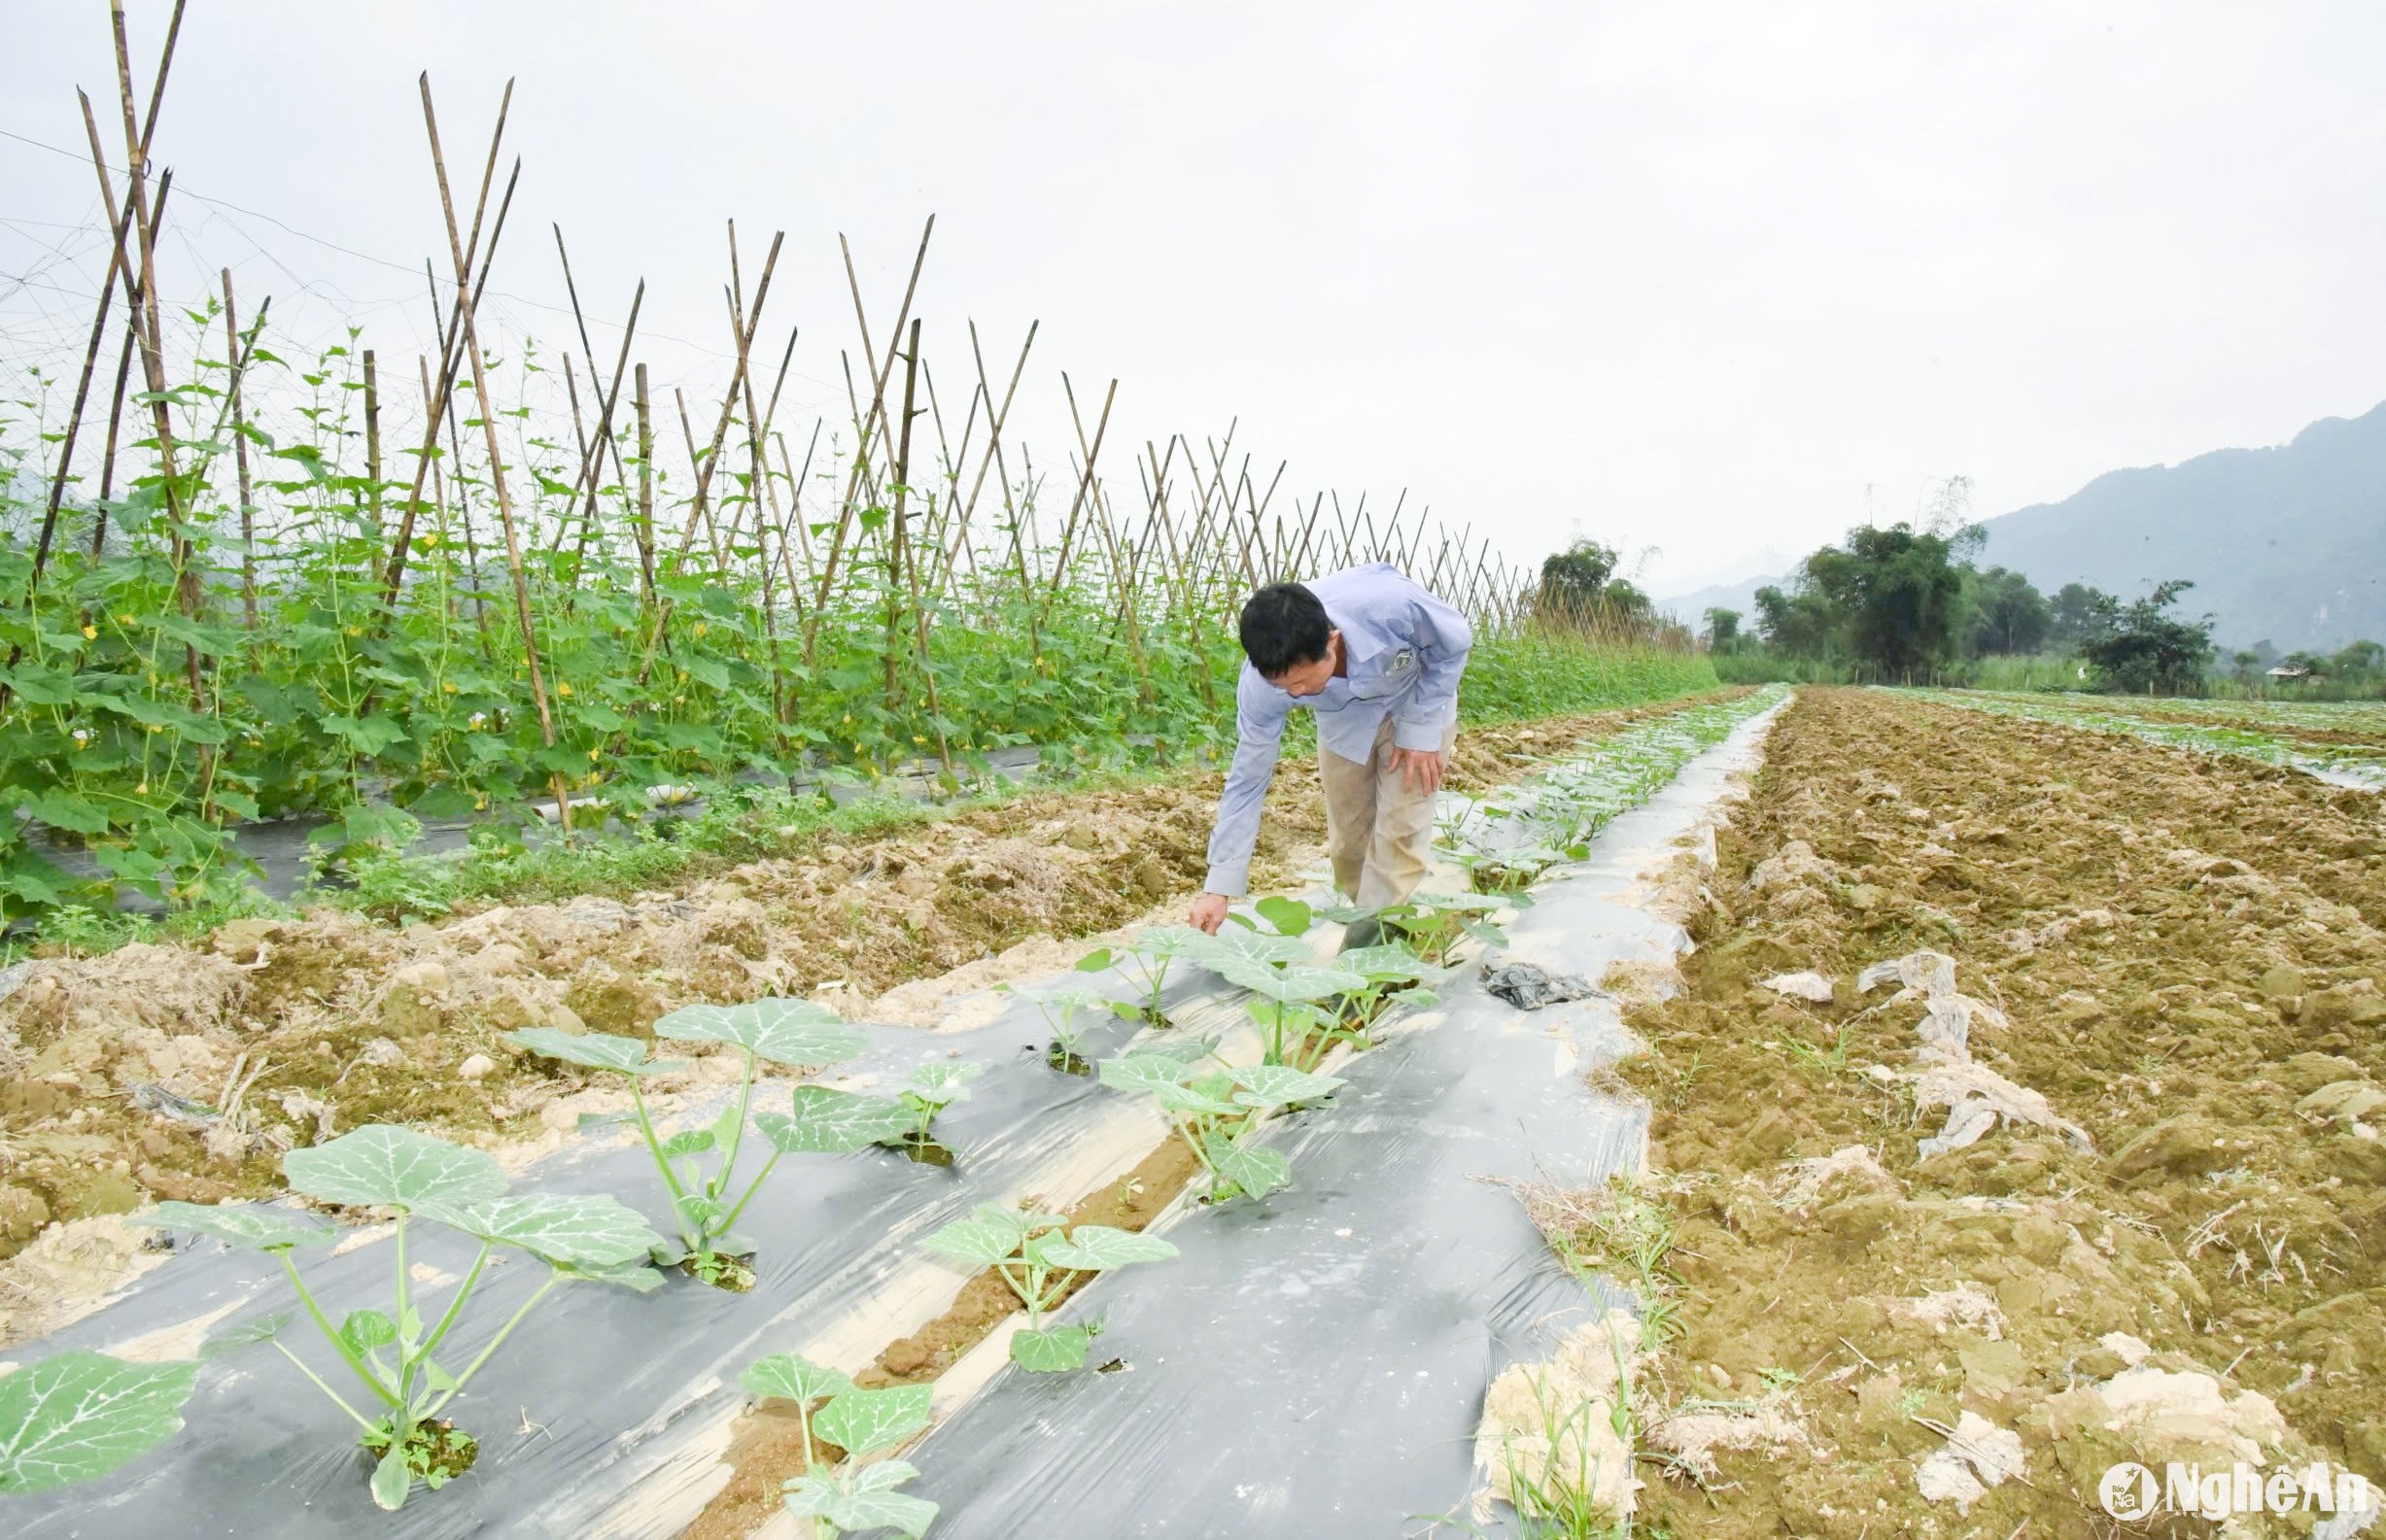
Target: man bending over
x: 1378, y: 658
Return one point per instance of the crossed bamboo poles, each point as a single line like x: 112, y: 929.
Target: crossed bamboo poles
x: 1199, y: 532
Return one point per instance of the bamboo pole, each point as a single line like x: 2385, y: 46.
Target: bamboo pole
x: 497, y: 460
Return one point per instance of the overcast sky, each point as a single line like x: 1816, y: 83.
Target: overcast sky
x: 1704, y: 278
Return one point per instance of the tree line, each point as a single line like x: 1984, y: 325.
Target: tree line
x: 1897, y: 602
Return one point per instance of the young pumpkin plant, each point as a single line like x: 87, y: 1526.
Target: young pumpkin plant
x: 1287, y: 1000
x: 393, y: 1353
x: 1214, y: 1111
x: 1067, y: 1008
x: 1146, y: 964
x: 926, y: 1091
x: 1393, y: 977
x: 1040, y: 1261
x: 76, y: 1416
x: 698, y: 1166
x: 851, y: 1497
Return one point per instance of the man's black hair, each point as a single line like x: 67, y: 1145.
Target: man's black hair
x: 1284, y: 626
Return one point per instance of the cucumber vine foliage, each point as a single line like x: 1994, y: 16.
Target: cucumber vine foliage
x: 181, y: 657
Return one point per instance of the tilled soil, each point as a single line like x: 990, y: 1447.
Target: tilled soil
x: 2178, y: 1254
x: 183, y: 1071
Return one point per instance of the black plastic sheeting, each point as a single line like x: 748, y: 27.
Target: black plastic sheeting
x: 1314, y: 1365
x: 606, y: 1411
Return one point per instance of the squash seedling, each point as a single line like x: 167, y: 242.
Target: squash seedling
x: 1039, y: 1261
x: 1434, y: 923
x: 393, y: 1353
x: 1394, y: 977
x: 1286, y: 996
x: 706, y: 1204
x: 1146, y: 964
x: 1212, y: 1111
x: 1064, y: 1007
x: 926, y: 1091
x: 849, y: 1497
x: 78, y: 1415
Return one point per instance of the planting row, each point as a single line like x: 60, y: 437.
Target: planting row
x: 2340, y: 764
x: 393, y: 1366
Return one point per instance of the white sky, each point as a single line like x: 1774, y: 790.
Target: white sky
x: 1686, y: 276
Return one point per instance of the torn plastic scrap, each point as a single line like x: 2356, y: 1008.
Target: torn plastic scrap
x: 1807, y: 985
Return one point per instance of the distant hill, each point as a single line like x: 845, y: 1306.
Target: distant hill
x: 2286, y: 543
x: 1691, y: 608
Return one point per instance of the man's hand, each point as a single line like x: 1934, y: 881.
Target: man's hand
x: 1209, y: 911
x: 1420, y: 769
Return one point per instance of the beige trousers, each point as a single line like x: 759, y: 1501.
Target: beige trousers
x: 1379, y: 832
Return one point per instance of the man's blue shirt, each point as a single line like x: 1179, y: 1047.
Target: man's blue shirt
x: 1405, y: 652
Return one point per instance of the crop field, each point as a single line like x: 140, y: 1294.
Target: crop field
x: 896, y: 1243
x: 593, y: 950
x: 2019, y: 1117
x: 2339, y: 741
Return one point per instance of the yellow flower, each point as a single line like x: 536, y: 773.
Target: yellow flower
x: 699, y: 628
x: 124, y: 620
x: 447, y: 687
x: 91, y: 633
x: 596, y: 753
x: 917, y: 738
x: 356, y: 631
x: 155, y: 728
x: 141, y: 790
x: 564, y: 690
x: 480, y: 804
x: 848, y: 720
x: 683, y: 676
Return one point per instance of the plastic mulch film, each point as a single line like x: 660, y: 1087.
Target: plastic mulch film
x: 605, y: 1413
x: 609, y: 1413
x: 1314, y: 1364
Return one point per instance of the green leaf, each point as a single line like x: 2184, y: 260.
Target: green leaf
x: 35, y: 685
x: 1288, y: 984
x: 1290, y: 916
x: 595, y: 1051
x: 941, y: 1081
x: 1277, y: 1084
x: 793, y: 1031
x: 791, y: 1377
x: 975, y: 1243
x: 866, y: 1503
x: 1162, y: 941
x: 1383, y: 964
x: 1256, y: 1170
x: 831, y: 1122
x: 392, y: 1481
x: 63, y: 809
x: 380, y: 1164
x: 634, y: 1276
x: 257, y: 1225
x: 366, y: 1329
x: 691, y: 1142
x: 1163, y: 1078
x: 861, y: 1422
x: 587, y: 1230
x: 1248, y: 947
x: 1096, y: 1247
x: 1052, y: 1350
x: 81, y: 1414
x: 1093, y: 962
x: 367, y: 736
x: 247, y: 1334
